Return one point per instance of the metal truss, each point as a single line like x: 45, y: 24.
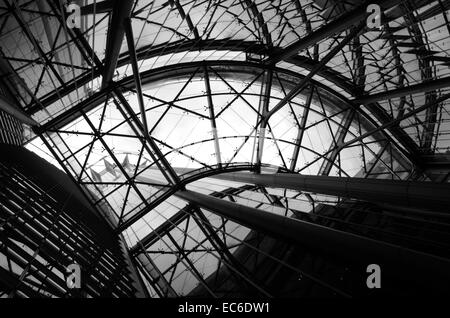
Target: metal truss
x: 149, y: 247
x: 150, y: 149
x: 364, y: 99
x: 42, y: 234
x: 191, y: 213
x: 144, y: 251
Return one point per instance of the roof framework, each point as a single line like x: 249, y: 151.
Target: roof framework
x: 137, y: 105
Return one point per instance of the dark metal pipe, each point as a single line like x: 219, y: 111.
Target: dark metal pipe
x: 338, y: 25
x: 116, y: 32
x: 408, y: 90
x: 403, y: 263
x: 136, y: 75
x: 428, y: 195
x: 7, y: 107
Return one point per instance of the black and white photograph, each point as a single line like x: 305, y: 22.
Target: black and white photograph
x: 224, y: 156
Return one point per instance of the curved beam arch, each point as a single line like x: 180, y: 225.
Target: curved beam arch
x: 183, y: 71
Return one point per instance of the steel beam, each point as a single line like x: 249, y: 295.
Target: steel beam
x: 403, y: 91
x: 342, y: 23
x: 227, y: 258
x: 153, y: 146
x: 137, y: 77
x: 301, y: 11
x: 165, y: 227
x: 203, y: 223
x: 264, y: 101
x: 129, y: 179
x: 427, y: 74
x: 75, y: 34
x: 155, y: 277
x: 258, y: 19
x: 212, y: 116
x: 377, y: 110
x: 151, y: 205
x: 427, y: 195
x: 183, y: 258
x: 401, y: 137
x: 395, y: 260
x: 16, y: 11
x: 7, y: 107
x: 116, y: 31
x: 394, y: 123
x: 404, y: 140
x: 43, y: 7
x: 332, y: 155
x: 12, y: 84
x: 304, y: 82
x: 84, y: 191
x: 301, y: 129
x: 105, y: 6
x: 184, y: 16
x: 144, y: 52
x: 148, y: 77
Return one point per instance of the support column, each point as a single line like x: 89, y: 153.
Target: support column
x: 395, y: 261
x: 427, y: 195
x: 212, y: 116
x: 15, y: 112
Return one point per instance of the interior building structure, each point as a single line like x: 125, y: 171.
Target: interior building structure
x: 224, y: 148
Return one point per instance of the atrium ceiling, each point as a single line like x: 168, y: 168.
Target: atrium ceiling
x: 147, y: 98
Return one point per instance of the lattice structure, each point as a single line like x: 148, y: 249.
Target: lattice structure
x: 149, y: 99
x: 45, y: 228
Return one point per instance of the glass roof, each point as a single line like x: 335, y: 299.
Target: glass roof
x: 210, y: 72
x: 104, y: 152
x: 410, y: 50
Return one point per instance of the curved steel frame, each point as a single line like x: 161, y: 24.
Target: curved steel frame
x: 378, y: 117
x: 183, y: 71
